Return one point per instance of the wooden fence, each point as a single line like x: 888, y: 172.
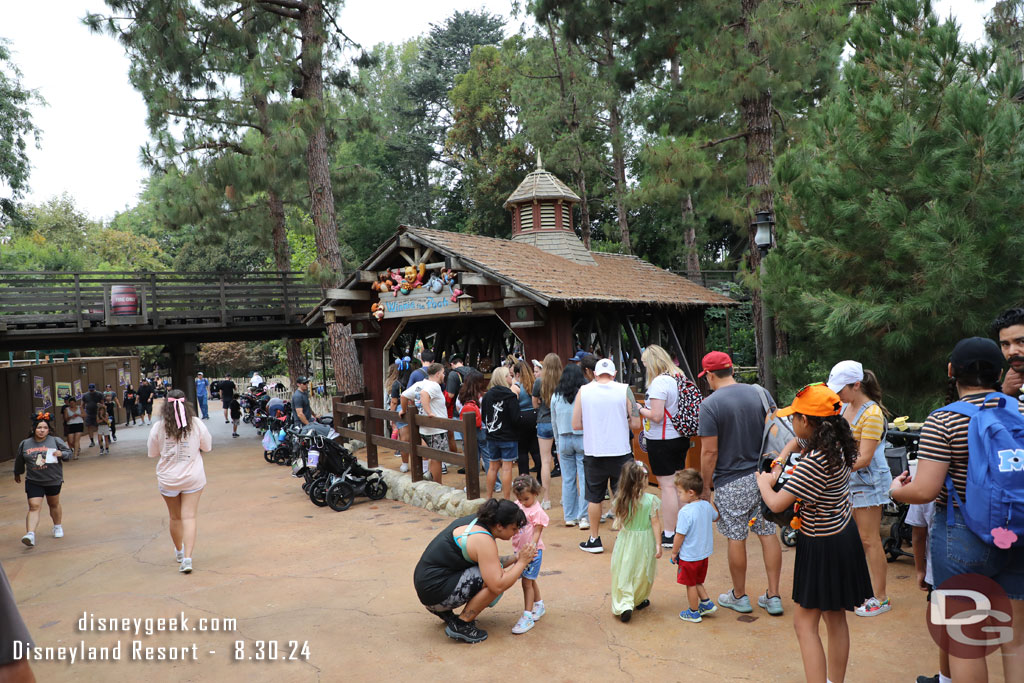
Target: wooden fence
x: 371, y: 421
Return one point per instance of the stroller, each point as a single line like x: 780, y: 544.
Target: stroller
x: 335, y: 476
x: 902, y: 446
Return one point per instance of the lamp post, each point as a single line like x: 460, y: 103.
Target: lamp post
x: 763, y: 239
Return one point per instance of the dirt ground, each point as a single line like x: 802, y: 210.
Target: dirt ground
x: 340, y: 584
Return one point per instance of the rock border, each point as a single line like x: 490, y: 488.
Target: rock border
x: 429, y: 495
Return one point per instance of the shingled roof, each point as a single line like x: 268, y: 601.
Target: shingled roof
x: 541, y: 184
x: 545, y: 277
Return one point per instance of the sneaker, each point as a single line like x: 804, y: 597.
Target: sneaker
x: 608, y: 516
x: 644, y: 604
x: 707, y: 607
x: 186, y: 566
x: 227, y: 421
x: 545, y: 505
x: 497, y: 487
x: 444, y: 468
x: 91, y: 445
x: 584, y: 523
x: 592, y: 546
x: 740, y: 604
x: 58, y: 531
x: 668, y: 540
x: 29, y: 539
x: 404, y: 467
x: 446, y: 616
x: 524, y: 624
x: 928, y: 679
x: 626, y: 616
x: 690, y: 615
x: 538, y: 610
x: 571, y: 522
x: 114, y: 438
x: 466, y: 631
x: 235, y: 435
x: 179, y: 555
x: 772, y: 604
x: 873, y: 607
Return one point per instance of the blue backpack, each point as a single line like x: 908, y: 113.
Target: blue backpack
x: 995, y: 471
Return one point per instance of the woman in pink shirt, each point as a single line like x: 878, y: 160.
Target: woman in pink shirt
x: 177, y: 439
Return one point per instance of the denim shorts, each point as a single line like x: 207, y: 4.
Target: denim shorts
x: 544, y: 430
x: 505, y: 451
x: 957, y: 550
x: 401, y: 425
x: 869, y: 488
x: 532, y: 570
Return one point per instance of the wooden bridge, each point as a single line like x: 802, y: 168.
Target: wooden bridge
x: 71, y: 310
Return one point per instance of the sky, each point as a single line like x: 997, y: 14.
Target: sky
x: 93, y: 124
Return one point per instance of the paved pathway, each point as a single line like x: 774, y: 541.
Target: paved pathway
x: 342, y: 582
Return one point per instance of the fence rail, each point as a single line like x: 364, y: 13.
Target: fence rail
x: 346, y: 413
x: 59, y: 300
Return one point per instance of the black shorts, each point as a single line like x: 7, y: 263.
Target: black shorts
x: 33, y: 490
x: 147, y: 408
x: 599, y: 472
x: 667, y: 456
x: 76, y: 428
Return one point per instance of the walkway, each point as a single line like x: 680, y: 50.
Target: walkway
x: 286, y: 570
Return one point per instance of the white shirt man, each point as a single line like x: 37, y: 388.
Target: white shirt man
x: 606, y: 412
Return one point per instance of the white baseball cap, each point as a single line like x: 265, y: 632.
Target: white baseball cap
x: 605, y: 367
x: 844, y: 372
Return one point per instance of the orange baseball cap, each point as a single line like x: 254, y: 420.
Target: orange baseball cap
x: 816, y: 400
x: 716, y: 360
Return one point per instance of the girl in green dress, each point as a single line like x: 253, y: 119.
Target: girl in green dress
x: 638, y: 546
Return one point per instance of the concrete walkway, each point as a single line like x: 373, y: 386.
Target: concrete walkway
x: 342, y: 583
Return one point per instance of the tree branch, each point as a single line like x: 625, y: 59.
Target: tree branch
x: 287, y: 14
x: 712, y: 143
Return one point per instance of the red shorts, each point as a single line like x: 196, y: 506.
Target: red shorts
x: 692, y: 573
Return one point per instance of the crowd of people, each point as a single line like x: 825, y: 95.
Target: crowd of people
x: 830, y: 483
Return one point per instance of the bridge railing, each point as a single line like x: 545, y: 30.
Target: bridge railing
x: 84, y: 299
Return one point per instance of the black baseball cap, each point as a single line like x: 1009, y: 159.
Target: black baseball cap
x: 977, y: 354
x: 92, y: 386
x: 302, y: 380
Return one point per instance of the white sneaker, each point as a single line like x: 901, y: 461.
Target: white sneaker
x: 584, y: 523
x: 179, y: 555
x: 186, y: 566
x: 545, y: 505
x: 444, y: 468
x: 58, y: 531
x: 538, y: 610
x: 404, y: 467
x: 608, y: 516
x: 524, y: 624
x: 29, y: 539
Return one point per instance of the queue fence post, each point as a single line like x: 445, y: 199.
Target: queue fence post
x: 472, y: 459
x: 371, y: 448
x: 415, y: 462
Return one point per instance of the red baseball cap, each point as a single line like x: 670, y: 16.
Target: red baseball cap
x: 716, y: 360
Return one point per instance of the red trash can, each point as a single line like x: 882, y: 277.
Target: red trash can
x: 124, y: 300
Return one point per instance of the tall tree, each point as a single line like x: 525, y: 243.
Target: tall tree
x: 899, y: 236
x: 16, y: 128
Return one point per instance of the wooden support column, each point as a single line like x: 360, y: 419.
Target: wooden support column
x: 183, y: 369
x: 368, y: 429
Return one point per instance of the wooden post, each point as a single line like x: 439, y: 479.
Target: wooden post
x: 155, y: 318
x: 223, y: 304
x: 469, y: 446
x: 415, y: 462
x: 78, y: 302
x: 287, y: 305
x: 371, y: 448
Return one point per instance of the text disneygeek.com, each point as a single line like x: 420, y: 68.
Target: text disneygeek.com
x: 145, y: 651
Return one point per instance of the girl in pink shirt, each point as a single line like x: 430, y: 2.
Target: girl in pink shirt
x: 526, y: 489
x: 177, y: 439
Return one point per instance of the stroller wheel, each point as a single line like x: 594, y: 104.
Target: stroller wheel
x: 376, y: 488
x: 308, y: 476
x: 268, y: 456
x: 340, y: 496
x: 318, y: 492
x: 246, y: 419
x: 891, y: 547
x: 789, y: 537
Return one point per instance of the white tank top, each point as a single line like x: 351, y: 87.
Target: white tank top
x: 605, y: 422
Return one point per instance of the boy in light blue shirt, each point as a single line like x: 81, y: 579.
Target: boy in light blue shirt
x: 693, y: 544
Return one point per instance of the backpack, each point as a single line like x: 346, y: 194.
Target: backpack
x: 778, y: 431
x: 995, y: 471
x: 687, y: 413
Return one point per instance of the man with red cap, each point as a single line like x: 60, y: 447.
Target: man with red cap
x: 730, y: 429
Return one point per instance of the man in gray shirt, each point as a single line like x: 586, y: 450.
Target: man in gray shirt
x: 302, y: 412
x: 731, y: 425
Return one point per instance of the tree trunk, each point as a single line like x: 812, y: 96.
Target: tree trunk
x: 619, y: 169
x: 760, y: 161
x: 347, y: 373
x: 584, y: 206
x: 283, y: 263
x: 690, y: 235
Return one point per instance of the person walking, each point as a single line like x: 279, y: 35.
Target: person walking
x: 146, y: 401
x: 39, y: 459
x: 638, y: 546
x: 227, y: 395
x: 130, y: 399
x: 91, y: 401
x: 203, y: 395
x: 112, y: 402
x: 730, y: 429
x: 606, y: 412
x: 570, y: 446
x: 179, y: 439
x: 543, y: 387
x: 666, y: 447
x: 74, y: 424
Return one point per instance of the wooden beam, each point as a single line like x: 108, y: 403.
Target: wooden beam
x: 680, y: 350
x: 407, y: 242
x: 366, y: 276
x: 350, y: 294
x: 409, y: 259
x: 528, y: 323
x: 518, y: 301
x: 476, y: 279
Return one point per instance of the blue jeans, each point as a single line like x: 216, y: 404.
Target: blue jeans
x: 203, y: 407
x: 570, y: 459
x: 957, y: 550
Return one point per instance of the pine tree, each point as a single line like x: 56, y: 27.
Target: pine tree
x: 16, y: 128
x: 900, y: 219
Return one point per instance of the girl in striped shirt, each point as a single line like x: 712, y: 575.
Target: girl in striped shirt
x: 830, y: 575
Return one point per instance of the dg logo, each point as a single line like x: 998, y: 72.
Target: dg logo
x: 970, y: 616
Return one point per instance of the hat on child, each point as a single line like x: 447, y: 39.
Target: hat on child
x: 816, y: 400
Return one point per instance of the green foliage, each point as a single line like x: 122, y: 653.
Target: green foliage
x: 732, y: 331
x: 16, y: 128
x: 897, y: 229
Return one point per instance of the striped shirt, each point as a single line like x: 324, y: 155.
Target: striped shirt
x: 944, y: 439
x: 824, y: 498
x: 871, y: 424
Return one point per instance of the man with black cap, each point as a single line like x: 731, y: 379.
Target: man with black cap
x: 1009, y: 330
x: 730, y: 428
x: 91, y: 401
x: 302, y: 411
x: 975, y: 368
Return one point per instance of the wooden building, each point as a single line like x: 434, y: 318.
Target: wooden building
x: 539, y: 292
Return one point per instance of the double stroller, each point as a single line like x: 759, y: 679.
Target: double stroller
x: 334, y: 477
